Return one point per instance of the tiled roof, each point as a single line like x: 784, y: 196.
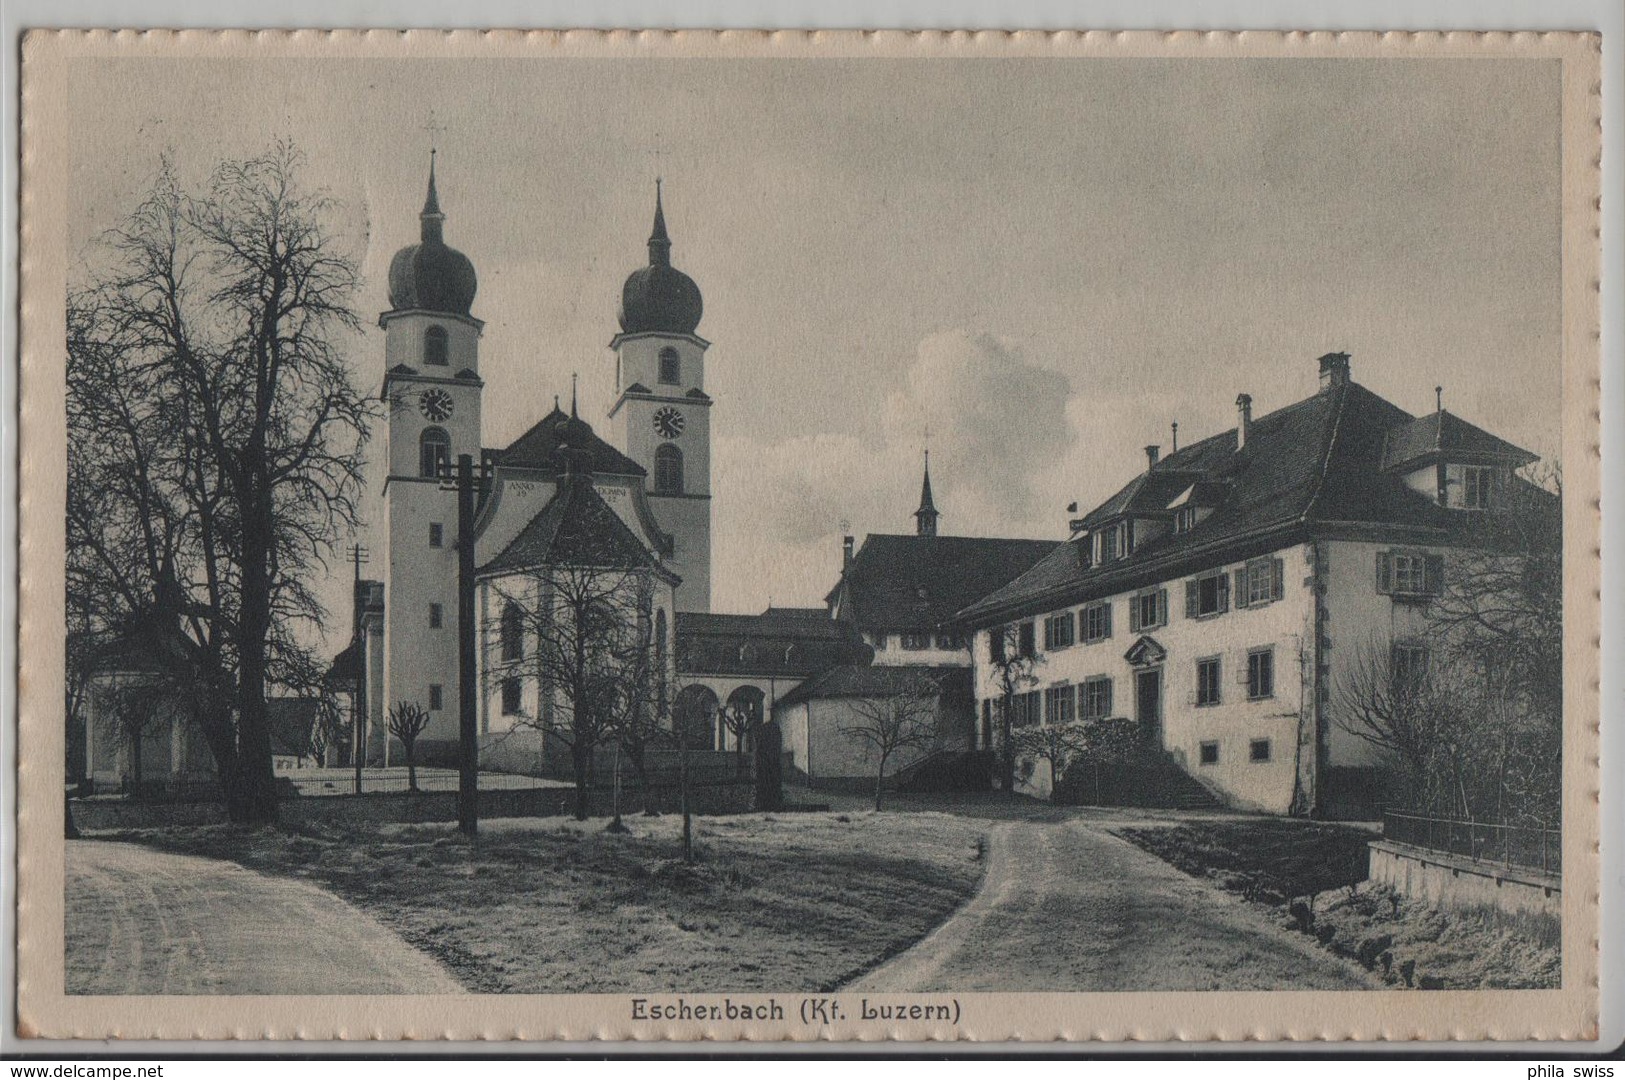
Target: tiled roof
x: 576, y: 528
x: 538, y: 448
x: 772, y: 644
x: 346, y: 666
x: 1442, y: 434
x: 919, y: 582
x: 862, y: 681
x: 1315, y: 463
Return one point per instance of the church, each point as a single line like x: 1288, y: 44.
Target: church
x: 635, y: 513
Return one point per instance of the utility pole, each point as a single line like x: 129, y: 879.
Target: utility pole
x: 358, y: 699
x: 470, y: 486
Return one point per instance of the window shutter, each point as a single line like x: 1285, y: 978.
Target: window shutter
x: 1190, y: 599
x: 1224, y: 593
x: 1433, y: 575
x: 1162, y: 607
x: 1107, y: 611
x: 1385, y: 572
x: 1277, y: 579
x: 1241, y: 588
x: 1134, y: 614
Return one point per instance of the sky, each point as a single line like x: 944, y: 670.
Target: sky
x: 1035, y: 266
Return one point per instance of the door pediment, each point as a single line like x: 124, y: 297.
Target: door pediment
x: 1145, y: 652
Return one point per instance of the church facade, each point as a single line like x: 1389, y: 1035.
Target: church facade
x: 630, y: 522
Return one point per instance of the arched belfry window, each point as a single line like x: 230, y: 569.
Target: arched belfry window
x: 671, y: 367
x: 513, y: 632
x: 435, y: 348
x: 668, y: 470
x: 434, y: 451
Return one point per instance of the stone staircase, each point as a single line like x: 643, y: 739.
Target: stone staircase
x: 1152, y: 780
x: 955, y: 769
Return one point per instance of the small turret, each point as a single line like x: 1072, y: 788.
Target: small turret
x: 925, y: 518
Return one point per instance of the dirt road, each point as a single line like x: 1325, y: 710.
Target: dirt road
x: 1067, y: 906
x: 144, y: 922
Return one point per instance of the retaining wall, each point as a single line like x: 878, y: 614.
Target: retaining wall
x: 1455, y: 881
x: 414, y: 807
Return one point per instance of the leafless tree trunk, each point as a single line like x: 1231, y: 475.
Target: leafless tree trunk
x: 1012, y: 669
x: 407, y: 721
x: 218, y: 434
x: 577, y: 631
x: 903, y: 716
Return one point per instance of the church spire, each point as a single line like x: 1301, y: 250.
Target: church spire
x: 659, y: 242
x: 431, y: 217
x: 925, y: 518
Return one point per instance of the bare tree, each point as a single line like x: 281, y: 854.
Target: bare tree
x: 136, y: 709
x: 1473, y: 719
x: 1108, y: 741
x: 741, y: 721
x: 1057, y: 744
x: 1407, y: 711
x: 1012, y: 662
x: 215, y: 442
x: 408, y: 720
x: 576, y: 630
x: 902, y: 716
x: 332, y: 734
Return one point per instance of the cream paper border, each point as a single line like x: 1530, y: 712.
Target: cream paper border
x: 45, y: 1011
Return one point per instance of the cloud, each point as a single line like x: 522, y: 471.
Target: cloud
x: 994, y: 417
x: 998, y: 426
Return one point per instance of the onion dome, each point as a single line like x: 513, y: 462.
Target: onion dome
x: 430, y: 276
x: 659, y: 298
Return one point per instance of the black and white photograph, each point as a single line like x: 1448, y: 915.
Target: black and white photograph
x: 793, y: 541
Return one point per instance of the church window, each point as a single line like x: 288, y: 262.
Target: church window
x: 671, y: 367
x: 434, y: 451
x: 436, y: 616
x: 437, y: 534
x: 437, y: 697
x: 435, y: 350
x: 668, y: 470
x: 512, y: 691
x: 660, y: 661
x: 513, y: 632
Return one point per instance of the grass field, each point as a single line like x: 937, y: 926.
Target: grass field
x: 1314, y: 876
x: 548, y: 906
x: 1267, y: 859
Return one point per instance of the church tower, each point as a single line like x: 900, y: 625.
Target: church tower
x: 432, y: 387
x: 925, y: 518
x: 662, y: 415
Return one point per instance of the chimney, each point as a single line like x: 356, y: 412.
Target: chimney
x: 1151, y: 454
x: 1334, y: 370
x: 846, y: 553
x: 1244, y: 419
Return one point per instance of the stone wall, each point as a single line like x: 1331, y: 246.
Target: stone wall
x: 1455, y: 881
x: 412, y: 807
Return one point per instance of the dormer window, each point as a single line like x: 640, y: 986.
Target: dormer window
x: 1185, y: 519
x: 1469, y: 487
x: 1105, y: 545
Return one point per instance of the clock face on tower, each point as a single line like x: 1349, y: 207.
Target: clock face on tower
x: 436, y: 405
x: 668, y: 423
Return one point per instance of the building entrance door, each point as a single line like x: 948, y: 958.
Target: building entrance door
x: 1148, y: 704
